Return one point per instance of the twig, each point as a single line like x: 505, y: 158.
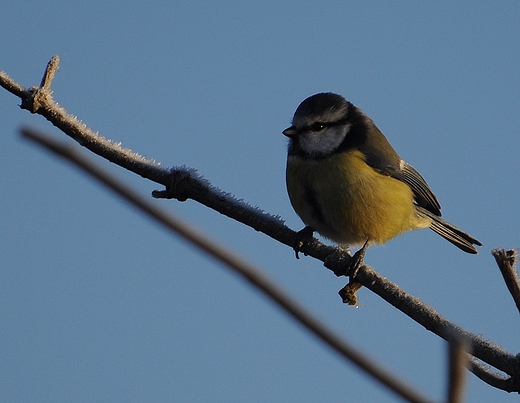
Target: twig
x: 506, y: 261
x: 486, y: 374
x: 50, y: 71
x: 12, y: 86
x: 457, y: 359
x: 232, y: 261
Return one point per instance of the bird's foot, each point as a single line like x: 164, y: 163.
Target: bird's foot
x: 357, y: 261
x: 301, y: 237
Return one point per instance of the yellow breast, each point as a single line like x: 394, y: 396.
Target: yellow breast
x: 347, y: 201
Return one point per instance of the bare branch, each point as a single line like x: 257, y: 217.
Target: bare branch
x: 50, y: 71
x: 12, y: 86
x: 458, y: 362
x: 180, y: 182
x: 39, y: 100
x: 183, y: 183
x: 428, y: 317
x: 506, y: 261
x: 250, y: 273
x: 499, y: 381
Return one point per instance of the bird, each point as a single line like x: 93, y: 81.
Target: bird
x: 346, y: 182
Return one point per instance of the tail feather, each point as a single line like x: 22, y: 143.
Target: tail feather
x: 450, y: 232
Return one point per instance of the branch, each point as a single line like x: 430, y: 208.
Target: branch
x: 506, y: 261
x: 12, y: 86
x: 180, y: 182
x: 183, y: 183
x: 434, y: 322
x: 250, y: 273
x: 458, y: 359
x: 499, y: 381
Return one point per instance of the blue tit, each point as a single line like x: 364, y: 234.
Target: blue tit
x: 346, y: 182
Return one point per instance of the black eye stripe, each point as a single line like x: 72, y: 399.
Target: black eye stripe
x: 318, y: 126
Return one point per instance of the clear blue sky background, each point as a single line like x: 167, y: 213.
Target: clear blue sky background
x: 97, y: 304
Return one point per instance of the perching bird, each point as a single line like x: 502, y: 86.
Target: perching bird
x: 346, y: 182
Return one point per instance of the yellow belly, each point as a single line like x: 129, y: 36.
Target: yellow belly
x: 356, y: 203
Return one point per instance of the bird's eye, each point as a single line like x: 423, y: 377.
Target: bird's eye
x: 317, y: 127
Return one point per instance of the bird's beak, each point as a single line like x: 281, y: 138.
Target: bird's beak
x: 290, y: 132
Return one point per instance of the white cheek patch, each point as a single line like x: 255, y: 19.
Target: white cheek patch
x: 324, y: 142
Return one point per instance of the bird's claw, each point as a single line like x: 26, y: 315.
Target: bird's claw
x: 301, y: 237
x: 357, y: 261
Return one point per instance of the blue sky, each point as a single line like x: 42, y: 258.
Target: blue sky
x: 99, y: 304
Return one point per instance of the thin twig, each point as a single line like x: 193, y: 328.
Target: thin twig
x: 12, y: 86
x: 232, y: 261
x: 50, y: 71
x: 492, y: 378
x: 506, y: 261
x: 457, y: 364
